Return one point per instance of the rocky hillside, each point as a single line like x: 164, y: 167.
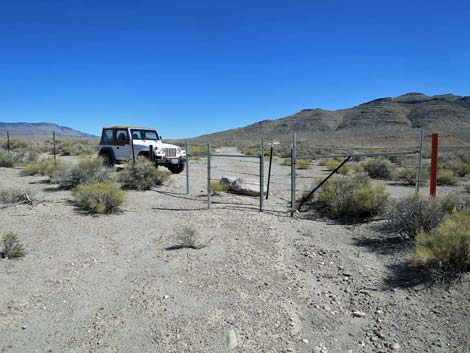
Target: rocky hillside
x: 382, y: 121
x: 40, y: 130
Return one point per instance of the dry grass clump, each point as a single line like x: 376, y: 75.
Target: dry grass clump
x: 88, y: 170
x: 458, y: 162
x: 143, y: 175
x: 446, y: 249
x: 446, y: 177
x: 12, y: 248
x: 412, y: 215
x: 467, y: 188
x: 378, y: 168
x: 101, y: 197
x: 189, y: 239
x: 7, y: 161
x: 12, y: 195
x: 352, y: 198
x: 333, y: 163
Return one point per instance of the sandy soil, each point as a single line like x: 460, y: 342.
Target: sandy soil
x: 265, y: 282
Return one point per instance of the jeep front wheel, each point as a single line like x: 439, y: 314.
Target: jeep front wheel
x: 176, y: 168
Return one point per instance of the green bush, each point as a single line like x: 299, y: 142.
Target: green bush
x: 189, y: 239
x: 352, y: 198
x: 101, y: 197
x: 467, y: 188
x: 331, y: 164
x: 11, y: 246
x: 143, y: 175
x: 378, y: 168
x: 446, y: 177
x: 7, y: 161
x: 218, y: 187
x: 414, y: 214
x: 300, y: 163
x: 446, y: 248
x: 88, y: 170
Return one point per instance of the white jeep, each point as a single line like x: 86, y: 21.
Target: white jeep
x: 118, y: 143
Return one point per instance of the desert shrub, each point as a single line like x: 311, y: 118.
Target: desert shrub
x: 446, y: 177
x: 250, y: 151
x: 458, y: 162
x: 300, y: 163
x: 467, y: 188
x: 143, y: 175
x: 13, y: 195
x: 189, y: 239
x: 54, y: 169
x: 11, y: 246
x: 414, y: 214
x: 6, y: 161
x: 331, y: 164
x: 352, y: 198
x: 408, y: 175
x: 447, y: 247
x: 88, y: 170
x: 378, y: 168
x: 101, y: 197
x: 218, y: 187
x: 65, y: 150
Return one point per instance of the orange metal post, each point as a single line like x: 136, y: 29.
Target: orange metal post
x: 433, y: 181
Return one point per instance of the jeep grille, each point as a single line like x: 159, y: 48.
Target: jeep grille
x: 170, y: 152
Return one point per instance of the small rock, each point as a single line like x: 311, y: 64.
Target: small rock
x: 166, y: 296
x: 357, y: 313
x: 24, y: 327
x: 231, y: 339
x: 396, y: 346
x: 305, y: 341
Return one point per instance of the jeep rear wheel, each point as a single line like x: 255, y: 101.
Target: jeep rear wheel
x: 107, y: 159
x: 176, y: 168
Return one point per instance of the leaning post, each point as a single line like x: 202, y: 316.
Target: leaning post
x: 53, y: 141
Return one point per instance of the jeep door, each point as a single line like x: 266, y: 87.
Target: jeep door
x: 122, y: 146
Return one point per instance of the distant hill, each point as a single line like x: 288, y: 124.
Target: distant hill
x: 41, y: 130
x: 384, y: 121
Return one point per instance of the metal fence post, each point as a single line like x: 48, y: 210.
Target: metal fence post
x: 269, y: 170
x: 292, y: 170
x: 419, y: 159
x: 187, y: 167
x: 261, y: 176
x: 53, y: 141
x: 8, y: 141
x: 434, y: 152
x: 209, y: 201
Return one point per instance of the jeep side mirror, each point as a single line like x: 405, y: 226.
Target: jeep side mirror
x: 161, y: 138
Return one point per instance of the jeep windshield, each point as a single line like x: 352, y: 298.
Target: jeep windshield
x: 138, y: 134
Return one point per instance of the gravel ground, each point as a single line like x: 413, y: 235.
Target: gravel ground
x: 265, y: 282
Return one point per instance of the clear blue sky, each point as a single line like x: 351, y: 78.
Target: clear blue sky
x: 193, y: 67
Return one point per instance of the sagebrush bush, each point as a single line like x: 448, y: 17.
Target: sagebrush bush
x: 7, y: 161
x: 414, y: 214
x: 446, y: 177
x: 218, y: 187
x: 408, y: 175
x: 352, y: 198
x: 101, y: 197
x: 378, y: 168
x: 300, y: 163
x: 88, y: 170
x: 54, y: 169
x: 467, y: 188
x: 11, y: 246
x: 189, y: 238
x: 446, y: 248
x: 331, y: 164
x: 143, y: 175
